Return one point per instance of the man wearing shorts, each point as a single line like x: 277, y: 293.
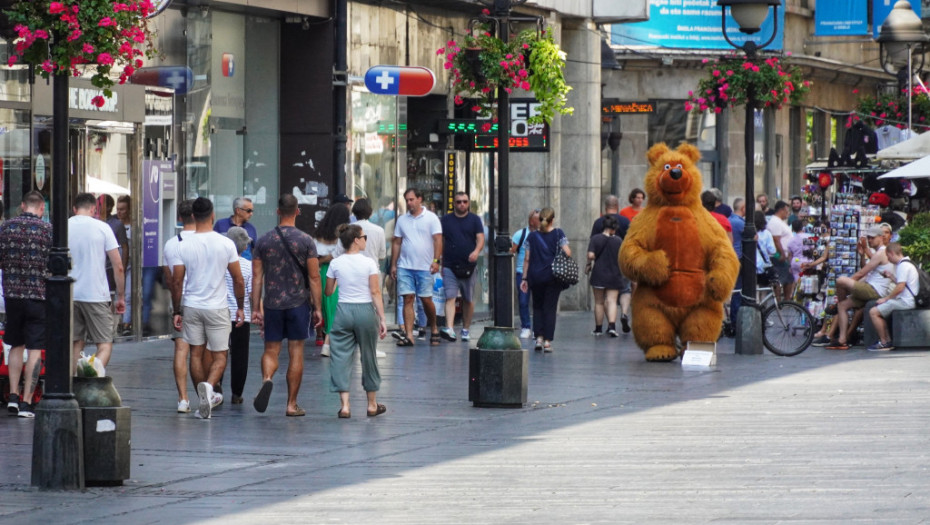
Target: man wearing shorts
x: 901, y: 297
x: 462, y: 242
x: 171, y: 258
x: 868, y: 284
x: 415, y: 254
x: 91, y: 242
x: 286, y: 268
x: 24, y: 245
x: 204, y: 259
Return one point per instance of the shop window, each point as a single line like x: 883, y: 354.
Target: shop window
x: 669, y: 122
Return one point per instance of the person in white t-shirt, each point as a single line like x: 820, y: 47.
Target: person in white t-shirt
x: 171, y: 258
x: 415, y: 255
x: 781, y: 233
x: 375, y: 248
x: 901, y: 297
x: 359, y: 319
x: 205, y: 258
x: 91, y: 242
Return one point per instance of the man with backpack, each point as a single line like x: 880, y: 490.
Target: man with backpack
x: 518, y: 246
x: 902, y: 297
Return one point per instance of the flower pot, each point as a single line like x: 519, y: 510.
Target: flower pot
x: 96, y: 392
x: 473, y: 59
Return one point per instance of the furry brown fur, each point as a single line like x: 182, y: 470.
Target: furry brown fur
x: 680, y: 257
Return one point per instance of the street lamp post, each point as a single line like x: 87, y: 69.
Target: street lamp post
x: 749, y: 14
x: 901, y: 33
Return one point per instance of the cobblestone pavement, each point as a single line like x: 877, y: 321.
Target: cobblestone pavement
x: 824, y: 437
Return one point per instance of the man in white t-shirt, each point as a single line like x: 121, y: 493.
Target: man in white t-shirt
x: 171, y: 258
x: 415, y: 255
x: 901, y: 297
x: 205, y: 257
x: 375, y: 248
x: 91, y: 242
x: 777, y: 225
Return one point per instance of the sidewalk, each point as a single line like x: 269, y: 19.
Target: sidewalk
x: 825, y: 437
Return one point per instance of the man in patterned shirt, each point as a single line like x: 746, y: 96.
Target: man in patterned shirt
x: 24, y: 245
x: 285, y: 267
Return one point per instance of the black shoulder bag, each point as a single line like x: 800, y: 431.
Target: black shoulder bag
x: 303, y: 270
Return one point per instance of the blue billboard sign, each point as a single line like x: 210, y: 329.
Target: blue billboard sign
x: 841, y: 17
x: 692, y: 24
x: 880, y: 10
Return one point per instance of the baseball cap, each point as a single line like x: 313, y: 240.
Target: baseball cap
x: 874, y: 231
x: 342, y: 198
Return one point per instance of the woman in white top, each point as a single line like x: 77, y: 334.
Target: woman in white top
x: 359, y: 319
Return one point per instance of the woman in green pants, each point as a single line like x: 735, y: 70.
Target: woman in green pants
x: 359, y: 319
x: 327, y: 248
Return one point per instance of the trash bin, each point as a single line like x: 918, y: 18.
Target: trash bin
x: 498, y: 370
x: 107, y: 431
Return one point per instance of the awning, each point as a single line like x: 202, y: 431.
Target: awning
x: 910, y: 149
x: 100, y: 186
x: 918, y: 169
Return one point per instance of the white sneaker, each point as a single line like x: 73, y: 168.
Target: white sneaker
x: 184, y: 406
x: 465, y: 336
x: 379, y: 353
x: 526, y: 333
x: 197, y: 415
x: 324, y: 351
x: 205, y: 392
x: 216, y: 399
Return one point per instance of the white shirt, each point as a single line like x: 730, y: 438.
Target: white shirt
x: 352, y: 273
x: 416, y: 252
x: 879, y: 282
x: 906, y: 272
x: 778, y: 228
x: 89, y: 240
x: 375, y: 247
x: 245, y: 266
x: 206, y: 257
x: 324, y: 248
x: 170, y: 256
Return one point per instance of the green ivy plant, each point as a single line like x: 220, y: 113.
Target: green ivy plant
x: 484, y: 64
x: 915, y: 239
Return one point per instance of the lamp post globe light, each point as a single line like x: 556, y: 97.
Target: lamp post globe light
x: 901, y: 34
x: 749, y: 14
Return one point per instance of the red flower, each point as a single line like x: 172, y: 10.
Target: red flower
x: 97, y: 101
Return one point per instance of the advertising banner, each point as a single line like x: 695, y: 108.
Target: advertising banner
x: 692, y: 24
x: 880, y: 10
x: 151, y: 208
x: 841, y: 17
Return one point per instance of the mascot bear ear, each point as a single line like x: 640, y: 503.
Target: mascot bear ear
x: 656, y: 152
x: 690, y: 151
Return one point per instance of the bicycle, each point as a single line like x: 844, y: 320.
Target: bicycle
x: 787, y: 327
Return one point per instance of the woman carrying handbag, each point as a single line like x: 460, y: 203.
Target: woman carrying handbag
x: 542, y: 246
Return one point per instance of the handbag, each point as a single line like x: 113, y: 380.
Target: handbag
x: 564, y: 268
x: 463, y: 270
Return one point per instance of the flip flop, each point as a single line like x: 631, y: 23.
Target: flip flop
x: 434, y: 339
x: 264, y: 394
x: 297, y: 413
x: 343, y: 415
x: 380, y: 410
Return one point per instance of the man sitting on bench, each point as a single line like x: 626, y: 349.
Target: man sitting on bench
x: 901, y: 296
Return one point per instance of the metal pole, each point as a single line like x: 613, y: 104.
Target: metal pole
x: 58, y: 444
x: 340, y: 81
x: 503, y: 259
x: 910, y: 88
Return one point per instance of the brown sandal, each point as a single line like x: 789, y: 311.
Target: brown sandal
x: 343, y: 415
x: 380, y: 410
x: 296, y: 413
x: 434, y: 340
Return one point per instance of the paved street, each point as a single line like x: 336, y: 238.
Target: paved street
x: 823, y: 437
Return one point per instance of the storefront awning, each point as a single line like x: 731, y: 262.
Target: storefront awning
x: 911, y: 149
x: 918, y: 169
x: 100, y: 186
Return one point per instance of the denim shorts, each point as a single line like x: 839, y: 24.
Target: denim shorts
x: 419, y: 282
x: 292, y: 324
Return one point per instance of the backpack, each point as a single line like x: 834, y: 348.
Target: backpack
x: 922, y: 297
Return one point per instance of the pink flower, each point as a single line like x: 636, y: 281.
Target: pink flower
x: 717, y: 110
x: 476, y: 109
x: 525, y: 85
x: 440, y: 51
x: 704, y: 60
x: 97, y: 101
x: 47, y: 66
x: 485, y: 12
x: 87, y: 48
x: 41, y: 33
x: 688, y: 106
x: 730, y: 73
x: 458, y: 100
x: 12, y: 60
x: 716, y: 72
x: 106, y: 21
x: 55, y: 8
x: 447, y: 65
x: 105, y: 59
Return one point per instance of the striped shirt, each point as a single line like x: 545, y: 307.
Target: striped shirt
x: 245, y: 266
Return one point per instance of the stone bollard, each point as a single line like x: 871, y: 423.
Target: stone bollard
x: 107, y: 431
x: 498, y: 370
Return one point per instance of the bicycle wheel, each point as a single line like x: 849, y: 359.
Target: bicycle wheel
x: 787, y: 328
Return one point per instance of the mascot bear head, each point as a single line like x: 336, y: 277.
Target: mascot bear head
x: 673, y: 179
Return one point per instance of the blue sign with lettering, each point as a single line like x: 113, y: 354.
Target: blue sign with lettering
x: 692, y: 24
x: 841, y: 17
x: 880, y: 10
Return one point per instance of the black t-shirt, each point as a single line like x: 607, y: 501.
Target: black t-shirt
x: 621, y: 231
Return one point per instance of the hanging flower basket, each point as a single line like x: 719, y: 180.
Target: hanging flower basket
x: 66, y: 36
x: 484, y: 64
x: 729, y: 81
x: 891, y: 109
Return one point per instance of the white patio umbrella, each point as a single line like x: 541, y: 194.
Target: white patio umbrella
x: 100, y: 186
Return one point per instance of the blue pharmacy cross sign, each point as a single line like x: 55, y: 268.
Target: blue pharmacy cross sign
x: 408, y: 81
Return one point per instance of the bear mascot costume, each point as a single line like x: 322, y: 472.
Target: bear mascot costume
x: 679, y: 256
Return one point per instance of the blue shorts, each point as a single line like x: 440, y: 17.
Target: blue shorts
x: 411, y: 282
x: 292, y: 324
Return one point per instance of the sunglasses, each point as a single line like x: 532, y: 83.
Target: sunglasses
x: 461, y: 202
x: 362, y: 237
x: 247, y: 210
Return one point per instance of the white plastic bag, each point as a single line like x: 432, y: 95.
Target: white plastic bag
x: 90, y: 366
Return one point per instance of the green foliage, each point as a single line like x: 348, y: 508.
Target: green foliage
x: 915, y: 239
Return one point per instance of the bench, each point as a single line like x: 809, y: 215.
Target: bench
x: 909, y: 328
